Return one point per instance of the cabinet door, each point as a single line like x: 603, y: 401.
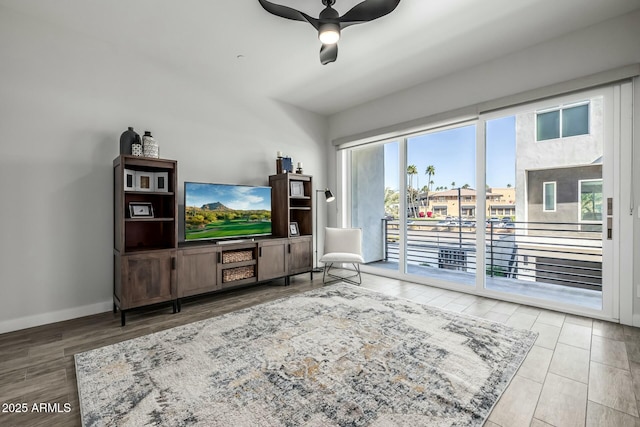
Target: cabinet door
x: 272, y: 259
x: 197, y: 271
x: 147, y: 279
x: 300, y: 255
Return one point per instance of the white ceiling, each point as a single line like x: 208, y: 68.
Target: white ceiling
x: 420, y: 41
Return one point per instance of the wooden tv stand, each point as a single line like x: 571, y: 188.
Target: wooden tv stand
x: 205, y: 267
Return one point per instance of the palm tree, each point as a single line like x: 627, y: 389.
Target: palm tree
x: 508, y: 185
x: 453, y: 184
x: 391, y: 201
x: 411, y: 171
x: 466, y: 186
x: 431, y: 170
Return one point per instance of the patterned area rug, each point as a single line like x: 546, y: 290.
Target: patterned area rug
x: 335, y: 356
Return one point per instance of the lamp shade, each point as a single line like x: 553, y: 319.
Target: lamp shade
x: 329, y: 195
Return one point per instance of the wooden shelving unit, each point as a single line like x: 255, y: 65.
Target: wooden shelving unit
x: 291, y: 201
x: 150, y: 268
x: 144, y: 248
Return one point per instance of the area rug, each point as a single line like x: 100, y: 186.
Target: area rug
x: 336, y: 356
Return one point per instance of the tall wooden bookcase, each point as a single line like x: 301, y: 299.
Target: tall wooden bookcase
x: 145, y: 228
x: 292, y: 202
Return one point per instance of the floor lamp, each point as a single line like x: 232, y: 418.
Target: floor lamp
x: 329, y: 197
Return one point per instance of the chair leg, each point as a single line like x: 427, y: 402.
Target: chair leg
x: 358, y: 275
x: 324, y: 272
x: 335, y: 278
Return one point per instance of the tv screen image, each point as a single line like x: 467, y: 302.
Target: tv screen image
x: 218, y: 211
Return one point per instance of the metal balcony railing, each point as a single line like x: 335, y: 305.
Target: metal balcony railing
x: 566, y: 254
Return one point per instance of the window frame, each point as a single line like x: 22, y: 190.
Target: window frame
x: 544, y: 196
x: 586, y: 221
x: 560, y: 109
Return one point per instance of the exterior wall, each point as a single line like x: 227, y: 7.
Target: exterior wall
x: 567, y: 197
x: 367, y: 203
x: 553, y: 153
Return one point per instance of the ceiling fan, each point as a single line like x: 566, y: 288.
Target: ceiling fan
x: 330, y: 23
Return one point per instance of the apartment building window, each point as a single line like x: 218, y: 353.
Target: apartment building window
x: 562, y: 122
x: 549, y: 196
x: 590, y: 200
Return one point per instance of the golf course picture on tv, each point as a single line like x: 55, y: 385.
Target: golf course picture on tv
x: 218, y: 211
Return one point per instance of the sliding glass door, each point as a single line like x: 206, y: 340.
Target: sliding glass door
x: 518, y: 204
x: 548, y: 175
x: 441, y: 195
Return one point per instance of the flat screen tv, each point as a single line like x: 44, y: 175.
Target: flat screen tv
x: 220, y: 211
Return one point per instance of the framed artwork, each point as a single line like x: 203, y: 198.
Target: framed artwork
x: 129, y: 180
x: 293, y: 229
x: 140, y: 210
x: 297, y: 189
x: 161, y: 182
x: 145, y: 181
x: 287, y: 164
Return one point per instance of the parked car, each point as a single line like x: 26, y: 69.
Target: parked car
x: 509, y: 225
x: 468, y: 224
x: 494, y: 222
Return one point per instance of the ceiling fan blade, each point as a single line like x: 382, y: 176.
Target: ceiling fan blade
x: 288, y: 12
x: 328, y: 53
x: 368, y: 10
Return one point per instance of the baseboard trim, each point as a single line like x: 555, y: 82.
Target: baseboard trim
x: 53, y: 316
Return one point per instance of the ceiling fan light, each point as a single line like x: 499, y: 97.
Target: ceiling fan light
x: 329, y: 33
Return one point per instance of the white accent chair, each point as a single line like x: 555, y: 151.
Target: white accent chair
x: 342, y: 245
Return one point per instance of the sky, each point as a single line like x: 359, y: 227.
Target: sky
x: 239, y: 197
x: 452, y: 153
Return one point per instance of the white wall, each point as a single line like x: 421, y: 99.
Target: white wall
x: 602, y: 47
x: 64, y: 101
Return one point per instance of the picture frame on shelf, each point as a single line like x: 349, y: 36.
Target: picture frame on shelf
x: 297, y: 189
x: 140, y: 210
x: 161, y: 182
x: 287, y: 165
x: 145, y: 181
x: 129, y: 180
x: 293, y: 229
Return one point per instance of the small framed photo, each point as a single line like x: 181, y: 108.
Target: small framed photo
x: 129, y: 180
x: 287, y: 164
x: 297, y: 189
x: 293, y: 229
x: 161, y: 182
x: 145, y: 181
x: 140, y: 210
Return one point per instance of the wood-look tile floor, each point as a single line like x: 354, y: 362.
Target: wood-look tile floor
x: 581, y: 372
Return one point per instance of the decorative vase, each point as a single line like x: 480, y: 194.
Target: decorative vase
x: 149, y: 145
x: 136, y: 150
x: 127, y: 139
